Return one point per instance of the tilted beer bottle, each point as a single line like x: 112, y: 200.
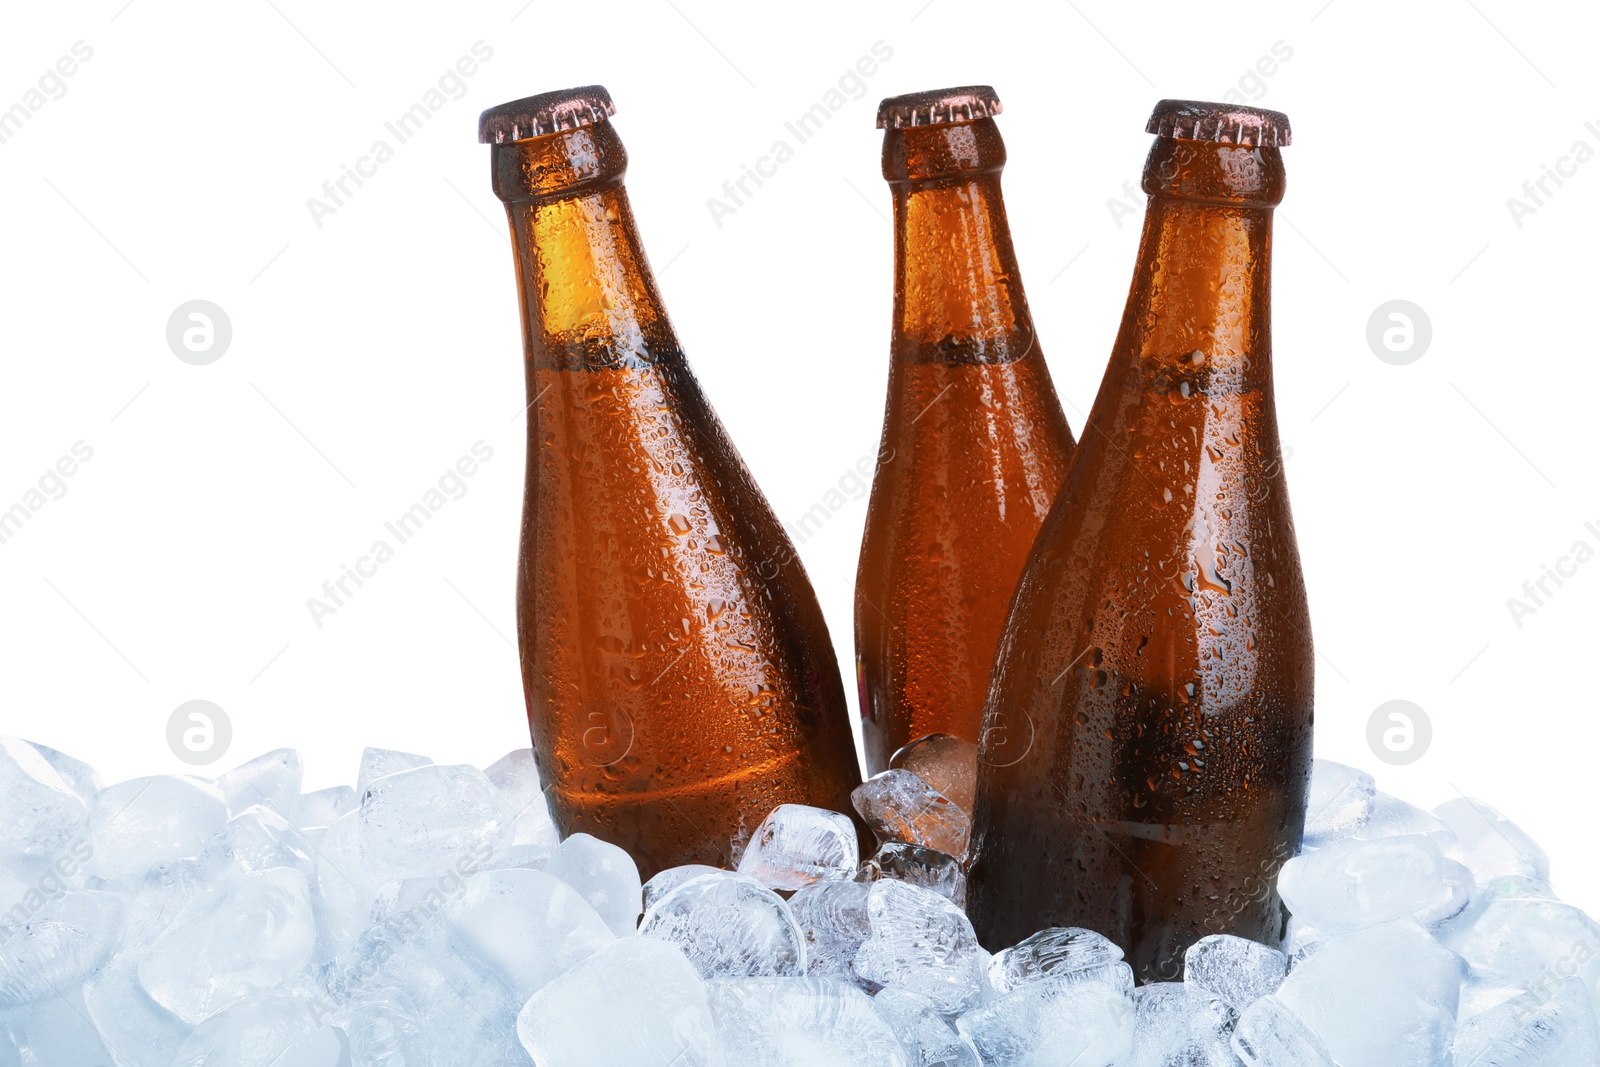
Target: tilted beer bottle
x: 1147, y: 741
x: 974, y: 442
x: 679, y: 677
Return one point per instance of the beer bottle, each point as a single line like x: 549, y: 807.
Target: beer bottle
x: 974, y: 442
x: 679, y: 678
x: 1147, y: 742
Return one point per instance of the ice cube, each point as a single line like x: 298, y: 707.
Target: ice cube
x: 52, y: 1032
x: 137, y: 824
x: 671, y: 878
x: 1268, y: 1034
x: 922, y: 943
x: 1491, y: 845
x: 1546, y: 1027
x: 385, y: 1033
x: 818, y: 1022
x: 1053, y: 1022
x: 729, y: 925
x: 636, y: 1003
x: 258, y: 838
x: 423, y: 822
x: 1528, y: 942
x: 272, y: 779
x: 899, y: 806
x: 265, y: 1031
x: 947, y: 763
x: 139, y: 1032
x: 1385, y: 996
x: 833, y: 919
x: 1068, y: 952
x: 526, y: 926
x: 1393, y: 817
x: 1340, y: 802
x: 797, y: 845
x: 1236, y: 970
x: 378, y: 762
x: 55, y: 946
x: 342, y: 893
x: 243, y: 938
x: 516, y: 775
x: 81, y: 778
x: 604, y: 875
x: 42, y: 812
x: 1352, y: 884
x: 929, y: 1041
x: 926, y: 867
x: 1180, y: 1025
x: 322, y: 807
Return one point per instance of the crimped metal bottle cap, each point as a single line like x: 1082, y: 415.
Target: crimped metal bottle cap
x: 932, y: 107
x: 536, y: 116
x: 1198, y: 120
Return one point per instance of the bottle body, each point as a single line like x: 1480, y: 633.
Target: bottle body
x: 973, y: 451
x: 679, y: 678
x: 1148, y: 726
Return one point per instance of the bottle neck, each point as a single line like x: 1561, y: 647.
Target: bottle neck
x: 958, y: 292
x: 588, y: 297
x: 1201, y: 293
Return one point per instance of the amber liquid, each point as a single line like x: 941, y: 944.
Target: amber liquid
x: 974, y: 446
x: 1148, y: 730
x: 679, y: 677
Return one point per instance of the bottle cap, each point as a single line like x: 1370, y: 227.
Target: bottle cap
x: 933, y: 107
x: 536, y: 116
x: 1198, y: 120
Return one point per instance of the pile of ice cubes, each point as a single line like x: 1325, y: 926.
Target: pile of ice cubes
x: 429, y: 917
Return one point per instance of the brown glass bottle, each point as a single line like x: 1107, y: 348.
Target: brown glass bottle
x: 679, y: 677
x: 1147, y: 735
x: 974, y: 442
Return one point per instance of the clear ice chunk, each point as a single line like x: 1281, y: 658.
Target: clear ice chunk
x: 43, y: 813
x: 832, y: 917
x: 1550, y: 1026
x: 259, y: 838
x: 899, y: 806
x: 516, y: 775
x: 921, y: 943
x: 140, y: 1032
x: 1352, y: 884
x: 137, y: 824
x: 265, y: 1031
x: 1491, y: 845
x: 666, y: 881
x: 422, y: 822
x: 1393, y: 817
x: 729, y: 925
x: 1235, y: 970
x: 945, y: 762
x: 342, y: 893
x: 271, y: 779
x: 1067, y: 952
x: 929, y: 1041
x: 1340, y: 803
x: 81, y: 778
x: 636, y: 1003
x: 1053, y: 1022
x: 817, y: 1022
x: 925, y: 867
x: 1179, y: 1025
x: 525, y: 926
x: 1268, y: 1034
x: 797, y: 845
x: 1524, y: 942
x: 322, y: 807
x: 604, y: 875
x: 378, y: 762
x: 57, y: 945
x: 1385, y: 996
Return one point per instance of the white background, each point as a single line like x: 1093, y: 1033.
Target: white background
x: 372, y: 351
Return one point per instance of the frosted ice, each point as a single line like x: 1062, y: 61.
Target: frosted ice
x: 1546, y: 1027
x: 922, y: 943
x: 729, y: 925
x: 266, y: 1031
x: 57, y: 945
x: 1339, y: 804
x: 832, y: 917
x: 272, y: 779
x: 636, y: 1003
x: 925, y: 867
x: 797, y: 845
x: 1053, y: 1022
x: 1066, y: 952
x: 604, y: 875
x: 666, y: 881
x: 1236, y: 970
x: 419, y: 823
x: 814, y: 1022
x: 1268, y: 1034
x: 899, y: 806
x: 137, y: 824
x: 378, y: 762
x: 947, y: 763
x: 1491, y: 845
x: 1179, y: 1025
x: 525, y: 926
x: 1385, y: 996
x: 928, y: 1040
x: 42, y: 811
x: 1352, y: 884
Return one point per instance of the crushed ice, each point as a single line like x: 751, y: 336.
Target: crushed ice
x: 430, y: 918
